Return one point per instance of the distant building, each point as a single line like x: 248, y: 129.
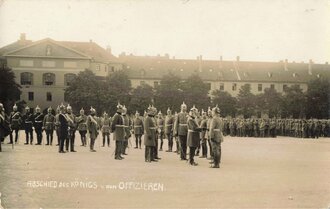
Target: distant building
x: 224, y: 75
x: 45, y: 68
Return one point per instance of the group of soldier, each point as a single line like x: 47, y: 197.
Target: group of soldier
x: 187, y: 129
x: 300, y: 128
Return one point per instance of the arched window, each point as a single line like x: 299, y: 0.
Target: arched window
x: 48, y: 79
x: 26, y: 78
x: 68, y: 78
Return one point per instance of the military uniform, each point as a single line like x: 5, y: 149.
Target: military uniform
x: 15, y: 124
x: 193, y: 137
x: 203, y: 136
x: 63, y: 126
x: 160, y: 129
x: 118, y: 130
x: 28, y: 126
x: 181, y: 130
x: 127, y: 127
x: 38, y: 120
x: 169, y: 120
x: 149, y: 137
x: 92, y: 126
x: 82, y: 127
x: 106, y: 122
x: 138, y: 131
x: 49, y: 124
x: 71, y: 132
x: 216, y: 139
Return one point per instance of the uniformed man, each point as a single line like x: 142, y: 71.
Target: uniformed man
x: 181, y: 130
x: 92, y: 127
x: 118, y: 130
x: 105, y: 123
x: 72, y: 129
x: 57, y: 125
x: 193, y: 137
x: 150, y: 134
x: 208, y: 123
x: 203, y: 135
x: 127, y: 124
x: 63, y: 125
x: 216, y: 136
x: 15, y: 123
x: 160, y: 129
x: 169, y: 120
x: 2, y: 125
x: 82, y: 126
x: 138, y: 129
x: 48, y: 126
x: 38, y: 119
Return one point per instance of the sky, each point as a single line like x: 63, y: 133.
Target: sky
x: 255, y: 30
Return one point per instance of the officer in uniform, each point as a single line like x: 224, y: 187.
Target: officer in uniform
x: 208, y: 123
x: 63, y: 126
x: 138, y: 129
x: 127, y: 124
x: 106, y: 122
x: 82, y: 126
x: 72, y: 129
x: 92, y: 126
x: 118, y: 130
x: 3, y: 127
x: 38, y: 119
x: 15, y: 123
x: 57, y: 125
x: 150, y: 135
x: 216, y: 136
x: 160, y: 126
x: 193, y: 137
x: 48, y: 126
x: 169, y: 120
x: 203, y: 136
x: 28, y: 125
x: 181, y: 130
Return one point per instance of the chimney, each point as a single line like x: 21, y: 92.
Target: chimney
x: 23, y: 37
x: 237, y: 58
x: 310, y: 67
x: 221, y: 59
x: 220, y: 63
x: 199, y: 63
x: 286, y: 64
x: 173, y: 57
x: 326, y: 63
x: 90, y: 41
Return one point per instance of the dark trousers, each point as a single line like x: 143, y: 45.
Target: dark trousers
x: 62, y: 139
x: 58, y: 136
x: 16, y: 135
x: 216, y: 152
x: 191, y: 154
x: 39, y: 135
x: 29, y: 132
x: 138, y: 140
x: 170, y: 142
x: 211, y: 148
x: 124, y: 145
x: 183, y: 143
x: 83, y: 137
x: 149, y: 153
x: 178, y: 146
x: 106, y: 138
x: 91, y: 145
x: 155, y: 149
x: 204, y: 148
x: 118, y: 149
x: 161, y: 136
x: 49, y: 134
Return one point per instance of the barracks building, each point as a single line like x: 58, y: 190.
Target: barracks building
x: 45, y: 68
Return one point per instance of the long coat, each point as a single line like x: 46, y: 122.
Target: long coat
x: 180, y: 125
x: 138, y: 126
x: 169, y: 120
x: 193, y: 133
x: 215, y: 130
x: 81, y: 123
x: 49, y: 121
x: 15, y: 120
x: 118, y: 127
x: 92, y: 126
x: 149, y: 131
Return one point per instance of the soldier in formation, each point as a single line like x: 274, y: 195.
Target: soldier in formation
x: 82, y: 127
x: 118, y: 130
x: 181, y: 130
x: 105, y: 123
x: 15, y: 124
x: 48, y: 126
x: 138, y: 129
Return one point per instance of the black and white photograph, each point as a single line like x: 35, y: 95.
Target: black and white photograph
x: 165, y: 104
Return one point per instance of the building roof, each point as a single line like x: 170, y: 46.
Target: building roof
x: 146, y: 67
x: 14, y: 46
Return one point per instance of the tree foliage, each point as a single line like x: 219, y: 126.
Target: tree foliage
x: 294, y: 102
x: 269, y: 102
x: 141, y: 98
x: 318, y: 98
x: 246, y: 101
x: 225, y: 102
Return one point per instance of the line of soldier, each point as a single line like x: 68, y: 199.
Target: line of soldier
x: 300, y: 128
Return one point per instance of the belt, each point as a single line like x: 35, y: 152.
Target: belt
x: 120, y: 126
x: 105, y: 126
x: 216, y: 129
x: 137, y: 126
x: 181, y: 124
x: 189, y: 130
x: 49, y: 122
x: 15, y: 119
x: 38, y: 121
x: 168, y: 125
x: 28, y: 121
x: 152, y: 128
x: 160, y: 126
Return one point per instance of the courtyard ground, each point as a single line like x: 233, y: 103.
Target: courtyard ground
x: 255, y: 173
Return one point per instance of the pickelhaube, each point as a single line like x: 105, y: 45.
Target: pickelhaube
x: 69, y: 107
x: 216, y: 109
x: 37, y: 108
x: 183, y: 105
x: 15, y: 107
x: 82, y: 111
x: 49, y: 109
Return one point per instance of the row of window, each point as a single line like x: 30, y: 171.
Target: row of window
x: 48, y: 79
x: 49, y: 96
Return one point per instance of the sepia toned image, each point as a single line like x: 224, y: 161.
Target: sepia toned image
x: 164, y: 104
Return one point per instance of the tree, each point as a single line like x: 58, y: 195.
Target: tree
x: 270, y: 102
x: 85, y: 91
x: 294, y: 102
x: 318, y: 99
x: 117, y: 89
x: 246, y: 101
x: 169, y: 93
x: 195, y: 92
x: 225, y: 102
x: 9, y: 90
x: 141, y: 98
